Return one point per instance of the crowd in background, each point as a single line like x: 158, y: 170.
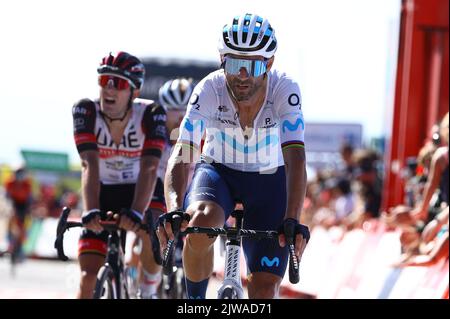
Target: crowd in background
x: 348, y: 196
x: 39, y: 199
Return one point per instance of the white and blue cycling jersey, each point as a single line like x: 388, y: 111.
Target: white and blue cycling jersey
x: 212, y: 115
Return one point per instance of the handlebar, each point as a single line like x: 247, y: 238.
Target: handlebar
x: 231, y: 232
x: 168, y: 261
x: 108, y: 225
x: 294, y: 267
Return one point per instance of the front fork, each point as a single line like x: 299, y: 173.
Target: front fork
x: 232, y: 274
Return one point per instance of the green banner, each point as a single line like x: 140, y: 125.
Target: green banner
x: 46, y: 161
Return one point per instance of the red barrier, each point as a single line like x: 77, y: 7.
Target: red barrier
x: 360, y: 266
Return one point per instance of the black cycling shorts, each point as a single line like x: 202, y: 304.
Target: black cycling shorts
x: 114, y: 198
x: 264, y: 199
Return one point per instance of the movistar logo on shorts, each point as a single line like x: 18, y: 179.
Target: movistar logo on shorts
x: 266, y: 262
x: 293, y: 127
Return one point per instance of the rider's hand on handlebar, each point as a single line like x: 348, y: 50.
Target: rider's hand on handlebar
x: 301, y: 234
x: 165, y: 231
x: 130, y: 219
x: 91, y: 220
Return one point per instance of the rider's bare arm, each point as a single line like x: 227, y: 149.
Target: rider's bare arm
x: 145, y: 183
x: 90, y: 183
x: 177, y: 174
x: 295, y: 164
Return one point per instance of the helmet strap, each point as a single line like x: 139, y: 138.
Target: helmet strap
x: 130, y: 100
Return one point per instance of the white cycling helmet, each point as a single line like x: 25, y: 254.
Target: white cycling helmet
x: 249, y: 34
x: 175, y: 94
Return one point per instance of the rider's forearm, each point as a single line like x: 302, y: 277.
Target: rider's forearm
x: 176, y: 178
x: 145, y: 184
x: 90, y: 181
x: 295, y: 183
x: 175, y: 184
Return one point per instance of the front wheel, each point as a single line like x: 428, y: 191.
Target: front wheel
x: 105, y: 287
x: 229, y: 293
x: 178, y: 290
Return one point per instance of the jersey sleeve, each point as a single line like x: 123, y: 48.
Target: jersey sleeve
x: 292, y: 128
x: 154, y: 127
x: 197, y: 116
x: 84, y: 115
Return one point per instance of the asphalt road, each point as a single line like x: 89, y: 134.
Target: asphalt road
x: 49, y: 279
x: 39, y: 279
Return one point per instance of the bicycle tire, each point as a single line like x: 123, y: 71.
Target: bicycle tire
x: 105, y: 285
x: 228, y: 293
x: 180, y: 283
x: 166, y: 287
x: 176, y: 283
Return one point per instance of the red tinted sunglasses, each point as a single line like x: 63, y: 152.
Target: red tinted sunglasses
x: 118, y: 83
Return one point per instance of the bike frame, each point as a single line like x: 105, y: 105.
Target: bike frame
x: 232, y: 272
x: 114, y: 259
x: 115, y: 252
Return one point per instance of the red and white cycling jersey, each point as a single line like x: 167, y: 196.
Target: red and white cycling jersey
x: 145, y: 134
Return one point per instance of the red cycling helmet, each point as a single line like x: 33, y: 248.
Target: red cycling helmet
x: 125, y: 65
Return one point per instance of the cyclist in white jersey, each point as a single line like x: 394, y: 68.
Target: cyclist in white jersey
x: 253, y: 153
x: 120, y: 141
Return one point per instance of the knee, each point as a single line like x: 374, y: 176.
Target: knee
x: 204, y: 215
x: 199, y: 243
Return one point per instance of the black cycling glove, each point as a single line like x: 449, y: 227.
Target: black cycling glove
x: 291, y: 227
x: 169, y: 217
x: 88, y: 216
x: 132, y: 214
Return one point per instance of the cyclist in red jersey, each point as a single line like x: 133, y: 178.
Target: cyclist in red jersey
x: 120, y: 140
x: 18, y: 190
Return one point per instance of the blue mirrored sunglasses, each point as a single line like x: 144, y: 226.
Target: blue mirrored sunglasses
x: 254, y: 68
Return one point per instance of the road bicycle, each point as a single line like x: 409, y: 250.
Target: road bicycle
x: 231, y: 287
x: 112, y: 278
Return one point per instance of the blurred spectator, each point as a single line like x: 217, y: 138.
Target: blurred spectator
x: 369, y: 182
x: 401, y: 215
x: 348, y: 167
x: 419, y: 221
x: 341, y: 203
x: 345, y: 202
x: 435, y: 135
x: 432, y: 245
x: 438, y: 176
